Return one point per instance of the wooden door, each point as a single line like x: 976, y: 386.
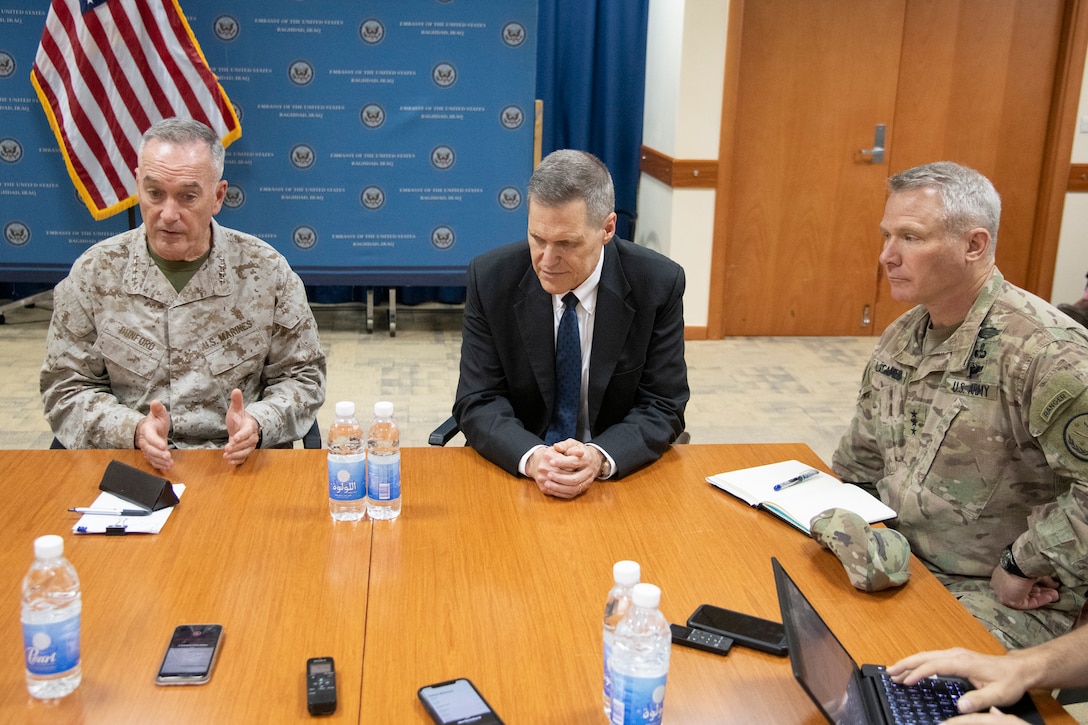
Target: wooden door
x: 978, y: 91
x: 963, y: 80
x: 815, y: 80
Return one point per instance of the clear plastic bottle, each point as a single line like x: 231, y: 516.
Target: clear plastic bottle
x: 51, y: 617
x: 640, y: 660
x: 383, y: 464
x: 625, y: 574
x: 347, y: 465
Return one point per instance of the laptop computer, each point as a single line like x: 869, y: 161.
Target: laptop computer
x: 849, y: 695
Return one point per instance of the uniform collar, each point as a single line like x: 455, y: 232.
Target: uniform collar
x: 212, y: 280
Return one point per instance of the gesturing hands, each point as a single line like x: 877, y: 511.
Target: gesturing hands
x: 243, y: 431
x: 153, y: 434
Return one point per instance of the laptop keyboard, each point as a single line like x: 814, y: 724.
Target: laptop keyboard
x: 930, y: 701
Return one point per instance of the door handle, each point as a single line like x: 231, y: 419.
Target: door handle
x: 876, y: 153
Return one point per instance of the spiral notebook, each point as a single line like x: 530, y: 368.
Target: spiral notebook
x: 799, y: 503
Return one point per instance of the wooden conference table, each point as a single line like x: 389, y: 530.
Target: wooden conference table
x: 481, y: 577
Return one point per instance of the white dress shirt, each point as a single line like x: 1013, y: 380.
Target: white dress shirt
x: 586, y: 311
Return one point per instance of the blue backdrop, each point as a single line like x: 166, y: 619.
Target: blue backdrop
x: 384, y: 142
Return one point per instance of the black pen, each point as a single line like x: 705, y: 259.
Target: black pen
x: 111, y: 512
x: 802, y: 476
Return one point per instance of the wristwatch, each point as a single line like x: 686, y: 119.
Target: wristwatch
x: 1009, y: 564
x: 606, y: 467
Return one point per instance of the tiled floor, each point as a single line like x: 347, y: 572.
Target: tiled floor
x: 742, y: 389
x: 766, y: 389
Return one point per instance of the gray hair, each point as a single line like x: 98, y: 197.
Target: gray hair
x: 567, y: 175
x: 968, y: 197
x: 185, y: 132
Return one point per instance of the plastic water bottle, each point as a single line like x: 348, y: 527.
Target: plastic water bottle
x: 640, y: 660
x: 625, y: 574
x: 347, y: 465
x: 383, y: 464
x: 51, y: 614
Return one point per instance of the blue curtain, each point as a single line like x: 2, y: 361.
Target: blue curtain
x: 591, y: 74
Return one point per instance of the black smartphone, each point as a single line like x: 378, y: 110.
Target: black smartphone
x: 191, y: 655
x: 744, y: 629
x: 457, y: 702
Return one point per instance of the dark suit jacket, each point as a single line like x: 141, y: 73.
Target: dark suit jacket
x: 638, y: 385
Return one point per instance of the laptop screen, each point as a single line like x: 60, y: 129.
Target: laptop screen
x: 820, y: 663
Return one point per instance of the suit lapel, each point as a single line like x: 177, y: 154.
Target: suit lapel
x: 536, y: 326
x: 610, y: 329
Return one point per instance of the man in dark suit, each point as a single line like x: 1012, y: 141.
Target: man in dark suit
x: 629, y: 308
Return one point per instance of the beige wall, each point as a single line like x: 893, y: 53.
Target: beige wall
x: 685, y: 68
x: 684, y: 74
x: 1072, y: 261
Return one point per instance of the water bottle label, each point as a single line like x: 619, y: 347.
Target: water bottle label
x: 51, y: 648
x: 637, y: 700
x: 607, y: 669
x: 383, y: 477
x: 347, y: 477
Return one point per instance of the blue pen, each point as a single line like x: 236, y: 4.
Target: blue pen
x: 802, y: 476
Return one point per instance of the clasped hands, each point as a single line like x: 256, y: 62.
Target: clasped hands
x: 565, y: 469
x: 153, y: 433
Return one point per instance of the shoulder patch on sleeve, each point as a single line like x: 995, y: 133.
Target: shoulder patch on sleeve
x: 1055, y: 404
x: 1052, y: 398
x: 1076, y: 436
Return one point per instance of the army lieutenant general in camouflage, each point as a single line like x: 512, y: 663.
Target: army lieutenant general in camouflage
x: 181, y: 333
x: 972, y: 420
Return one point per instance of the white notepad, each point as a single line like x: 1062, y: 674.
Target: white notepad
x: 799, y: 503
x: 150, y: 524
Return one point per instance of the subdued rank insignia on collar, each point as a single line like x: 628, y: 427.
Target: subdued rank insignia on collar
x: 987, y: 332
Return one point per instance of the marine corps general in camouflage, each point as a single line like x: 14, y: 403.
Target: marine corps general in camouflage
x: 181, y: 333
x: 978, y: 438
x: 121, y: 336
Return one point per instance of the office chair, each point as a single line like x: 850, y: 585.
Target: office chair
x: 441, y: 435
x: 310, y: 439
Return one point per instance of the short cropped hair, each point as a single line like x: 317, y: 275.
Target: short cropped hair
x: 567, y: 175
x: 968, y: 197
x: 183, y: 132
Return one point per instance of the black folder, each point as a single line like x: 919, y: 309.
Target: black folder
x: 138, y: 487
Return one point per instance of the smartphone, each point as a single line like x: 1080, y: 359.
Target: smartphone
x: 744, y: 629
x: 191, y: 655
x: 457, y: 702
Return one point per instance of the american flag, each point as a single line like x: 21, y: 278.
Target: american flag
x: 105, y: 71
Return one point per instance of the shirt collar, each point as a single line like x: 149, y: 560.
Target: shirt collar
x: 585, y: 292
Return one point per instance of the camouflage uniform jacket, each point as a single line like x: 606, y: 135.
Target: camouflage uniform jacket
x: 121, y: 336
x: 984, y: 441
